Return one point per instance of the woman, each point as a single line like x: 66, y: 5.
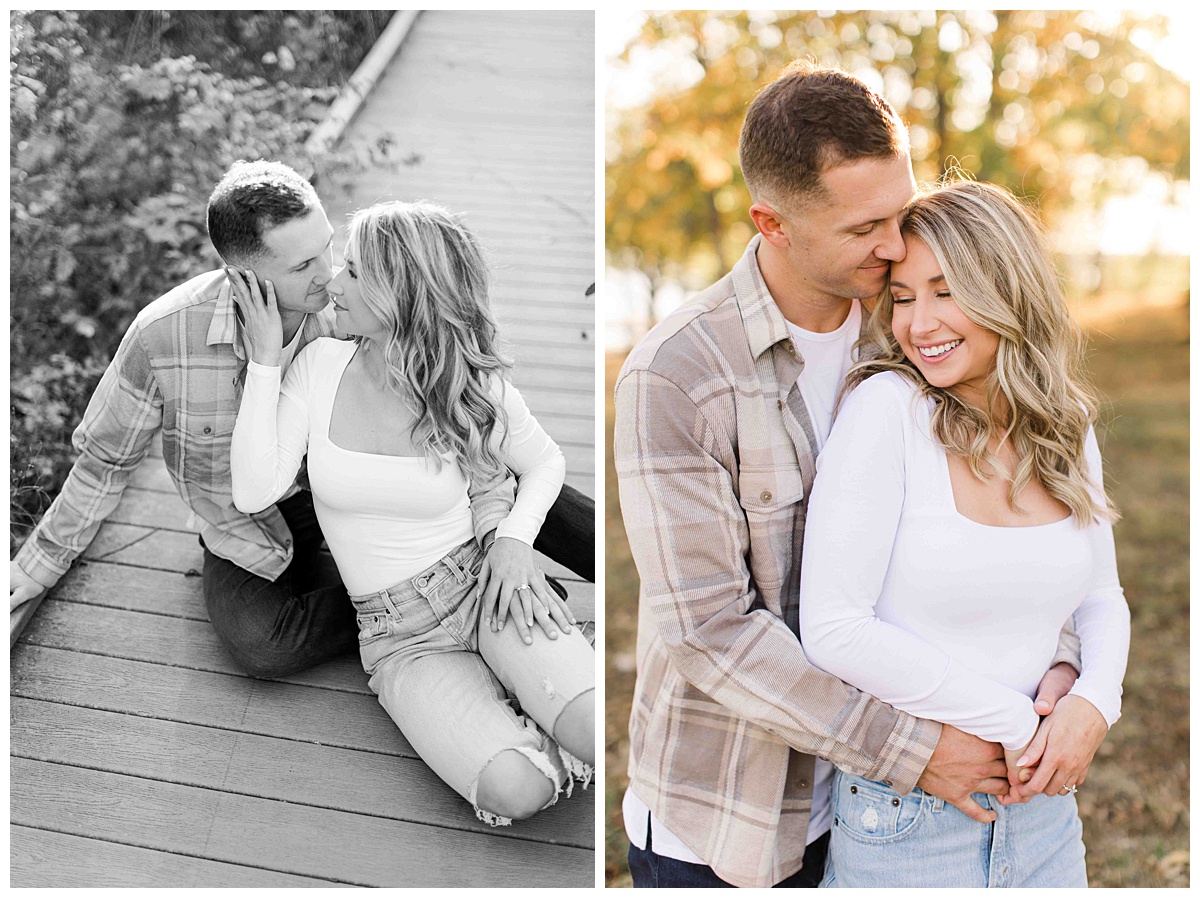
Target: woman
x: 395, y: 425
x: 957, y: 522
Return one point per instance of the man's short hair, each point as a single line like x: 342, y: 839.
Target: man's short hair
x: 251, y: 198
x: 807, y: 120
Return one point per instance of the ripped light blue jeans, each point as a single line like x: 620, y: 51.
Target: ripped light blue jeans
x: 449, y: 682
x: 917, y: 840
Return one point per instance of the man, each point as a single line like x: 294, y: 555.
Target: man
x: 721, y: 412
x: 180, y: 369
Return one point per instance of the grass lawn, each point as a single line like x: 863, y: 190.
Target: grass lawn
x: 1135, y: 801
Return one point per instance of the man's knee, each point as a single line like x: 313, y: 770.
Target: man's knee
x: 568, y: 534
x: 253, y: 640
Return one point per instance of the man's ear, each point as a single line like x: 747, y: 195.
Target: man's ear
x: 769, y: 224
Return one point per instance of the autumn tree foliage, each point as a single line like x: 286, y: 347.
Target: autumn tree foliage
x: 1062, y: 107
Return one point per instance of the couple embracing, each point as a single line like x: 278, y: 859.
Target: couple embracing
x: 408, y: 433
x: 881, y: 633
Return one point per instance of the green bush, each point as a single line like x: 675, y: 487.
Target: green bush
x: 117, y: 137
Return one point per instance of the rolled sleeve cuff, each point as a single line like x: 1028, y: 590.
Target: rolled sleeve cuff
x: 906, y: 752
x: 38, y: 565
x: 488, y: 514
x: 1068, y: 651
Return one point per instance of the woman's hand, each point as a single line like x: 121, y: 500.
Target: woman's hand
x: 1063, y: 747
x: 262, y: 327
x: 508, y: 580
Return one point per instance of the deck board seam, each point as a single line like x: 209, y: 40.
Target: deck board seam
x: 210, y: 726
x: 205, y: 670
x: 506, y: 833
x: 199, y: 857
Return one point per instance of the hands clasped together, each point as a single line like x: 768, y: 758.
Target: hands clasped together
x: 1054, y: 762
x: 510, y: 581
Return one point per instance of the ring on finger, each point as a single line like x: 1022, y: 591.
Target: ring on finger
x: 522, y: 586
x: 1068, y: 790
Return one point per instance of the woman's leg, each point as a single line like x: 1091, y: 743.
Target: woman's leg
x: 419, y: 642
x: 1045, y: 840
x: 458, y: 718
x: 553, y: 679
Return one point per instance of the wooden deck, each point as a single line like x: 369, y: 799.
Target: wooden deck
x: 140, y: 755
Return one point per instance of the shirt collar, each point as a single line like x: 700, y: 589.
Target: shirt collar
x: 225, y: 327
x: 764, y: 323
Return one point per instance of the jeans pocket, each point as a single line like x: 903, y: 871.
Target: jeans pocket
x: 372, y: 626
x: 872, y: 812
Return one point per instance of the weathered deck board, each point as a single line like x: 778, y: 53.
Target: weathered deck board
x: 58, y: 860
x: 139, y: 752
x: 346, y: 848
x: 227, y: 760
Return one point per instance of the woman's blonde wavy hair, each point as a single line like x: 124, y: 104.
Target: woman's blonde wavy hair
x: 998, y: 266
x: 424, y: 276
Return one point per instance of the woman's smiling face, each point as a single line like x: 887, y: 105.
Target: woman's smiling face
x: 950, y: 350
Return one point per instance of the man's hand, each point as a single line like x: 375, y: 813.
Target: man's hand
x: 21, y: 587
x: 1063, y: 746
x: 1058, y: 681
x: 963, y: 764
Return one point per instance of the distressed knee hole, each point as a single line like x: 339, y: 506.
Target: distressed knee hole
x: 516, y: 784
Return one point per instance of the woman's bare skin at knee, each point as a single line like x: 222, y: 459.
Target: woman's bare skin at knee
x: 511, y: 786
x: 575, y: 729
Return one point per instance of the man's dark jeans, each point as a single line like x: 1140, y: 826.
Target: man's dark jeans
x: 305, y: 618
x: 653, y: 871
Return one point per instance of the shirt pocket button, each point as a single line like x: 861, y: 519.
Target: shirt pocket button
x: 766, y: 496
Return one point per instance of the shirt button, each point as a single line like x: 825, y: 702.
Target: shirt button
x: 287, y: 543
x: 780, y: 402
x: 208, y: 430
x: 766, y: 496
x: 803, y: 784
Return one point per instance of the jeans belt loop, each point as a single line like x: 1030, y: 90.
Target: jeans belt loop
x: 459, y: 574
x: 385, y: 594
